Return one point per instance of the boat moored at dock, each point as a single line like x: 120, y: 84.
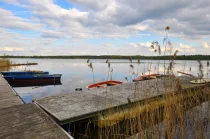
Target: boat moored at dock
x: 104, y: 84
x: 11, y: 73
x: 146, y: 77
x: 32, y: 78
x: 35, y: 76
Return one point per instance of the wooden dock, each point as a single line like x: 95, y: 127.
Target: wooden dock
x: 8, y: 96
x: 19, y: 120
x: 80, y: 105
x: 24, y: 121
x: 28, y: 122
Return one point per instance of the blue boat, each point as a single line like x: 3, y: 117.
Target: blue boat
x: 29, y: 78
x: 21, y: 73
x: 33, y: 77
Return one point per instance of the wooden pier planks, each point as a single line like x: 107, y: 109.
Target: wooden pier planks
x: 24, y: 121
x: 75, y: 106
x: 28, y: 122
x: 8, y: 97
x: 79, y: 105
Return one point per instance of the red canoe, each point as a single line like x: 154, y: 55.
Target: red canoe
x: 103, y: 84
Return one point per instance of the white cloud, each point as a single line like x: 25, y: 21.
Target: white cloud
x: 185, y: 46
x: 81, y: 24
x: 91, y: 4
x: 141, y: 44
x: 128, y: 16
x: 205, y: 45
x: 138, y: 27
x: 15, y: 2
x: 53, y: 34
x: 10, y: 49
x: 8, y: 20
x: 146, y: 44
x: 133, y: 44
x: 16, y: 44
x: 91, y: 19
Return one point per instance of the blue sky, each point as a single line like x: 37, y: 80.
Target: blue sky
x: 92, y: 27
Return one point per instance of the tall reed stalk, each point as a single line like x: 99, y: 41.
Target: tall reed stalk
x: 91, y: 67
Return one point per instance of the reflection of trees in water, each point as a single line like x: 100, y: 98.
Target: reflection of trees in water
x: 5, y: 68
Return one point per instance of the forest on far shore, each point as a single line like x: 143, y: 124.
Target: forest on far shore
x: 168, y: 57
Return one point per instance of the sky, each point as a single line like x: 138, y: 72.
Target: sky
x: 103, y: 27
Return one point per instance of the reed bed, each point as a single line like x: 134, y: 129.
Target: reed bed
x: 5, y: 63
x: 172, y: 116
x: 181, y: 113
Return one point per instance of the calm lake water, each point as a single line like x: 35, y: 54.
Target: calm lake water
x: 76, y: 73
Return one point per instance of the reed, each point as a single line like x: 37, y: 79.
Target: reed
x: 181, y: 112
x: 167, y: 117
x: 174, y: 115
x: 90, y: 65
x: 167, y: 114
x: 5, y: 63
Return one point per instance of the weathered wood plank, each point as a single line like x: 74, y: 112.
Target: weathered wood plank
x: 78, y: 105
x: 28, y: 122
x: 8, y: 97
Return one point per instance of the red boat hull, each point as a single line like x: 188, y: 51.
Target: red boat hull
x: 103, y: 84
x: 185, y: 73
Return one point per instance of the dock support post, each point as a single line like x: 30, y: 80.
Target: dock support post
x: 69, y: 128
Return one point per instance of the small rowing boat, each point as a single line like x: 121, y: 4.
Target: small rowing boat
x: 200, y: 81
x: 104, y: 84
x: 33, y: 78
x: 146, y: 77
x: 22, y: 73
x: 185, y: 73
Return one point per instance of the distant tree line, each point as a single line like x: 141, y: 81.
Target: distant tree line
x: 179, y: 57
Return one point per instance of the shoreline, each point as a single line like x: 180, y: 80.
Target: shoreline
x: 135, y: 57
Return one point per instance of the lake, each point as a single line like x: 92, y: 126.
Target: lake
x: 77, y: 73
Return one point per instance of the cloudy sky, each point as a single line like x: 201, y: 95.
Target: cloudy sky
x: 102, y: 27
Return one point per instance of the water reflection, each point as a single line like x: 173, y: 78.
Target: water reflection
x: 35, y: 83
x: 76, y: 73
